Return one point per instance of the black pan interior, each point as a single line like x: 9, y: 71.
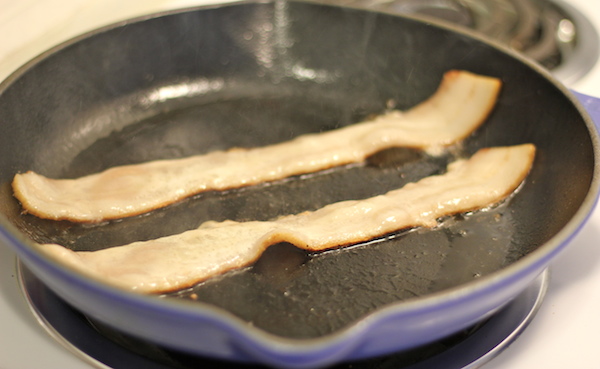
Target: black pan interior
x: 258, y: 73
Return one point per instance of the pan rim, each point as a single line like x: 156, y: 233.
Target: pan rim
x: 537, y: 259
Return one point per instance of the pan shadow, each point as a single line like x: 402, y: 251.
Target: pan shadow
x: 10, y: 290
x: 580, y: 258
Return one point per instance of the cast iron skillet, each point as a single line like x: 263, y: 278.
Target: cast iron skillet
x: 256, y: 73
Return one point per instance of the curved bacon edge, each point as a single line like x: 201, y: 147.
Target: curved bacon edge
x: 461, y: 103
x: 180, y: 261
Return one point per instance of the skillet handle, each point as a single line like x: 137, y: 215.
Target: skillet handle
x: 591, y: 105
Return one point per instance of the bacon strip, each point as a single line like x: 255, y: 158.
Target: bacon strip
x: 461, y: 103
x: 180, y: 261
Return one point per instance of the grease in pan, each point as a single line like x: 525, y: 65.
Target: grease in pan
x: 182, y: 260
x: 459, y: 106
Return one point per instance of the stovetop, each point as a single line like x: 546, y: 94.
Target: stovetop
x: 563, y: 334
x: 101, y: 345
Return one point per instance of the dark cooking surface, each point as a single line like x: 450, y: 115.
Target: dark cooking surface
x: 105, y: 102
x: 289, y: 292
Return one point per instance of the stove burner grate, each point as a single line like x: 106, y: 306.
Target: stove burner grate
x: 550, y: 32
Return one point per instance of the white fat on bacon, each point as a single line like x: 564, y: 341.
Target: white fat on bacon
x: 180, y: 261
x: 461, y: 103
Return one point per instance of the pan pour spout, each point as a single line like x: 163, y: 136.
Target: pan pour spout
x: 459, y: 106
x: 180, y: 261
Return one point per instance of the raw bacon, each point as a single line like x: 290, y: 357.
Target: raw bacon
x: 182, y: 260
x: 461, y: 103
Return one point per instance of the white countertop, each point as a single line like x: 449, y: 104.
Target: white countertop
x: 563, y: 335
